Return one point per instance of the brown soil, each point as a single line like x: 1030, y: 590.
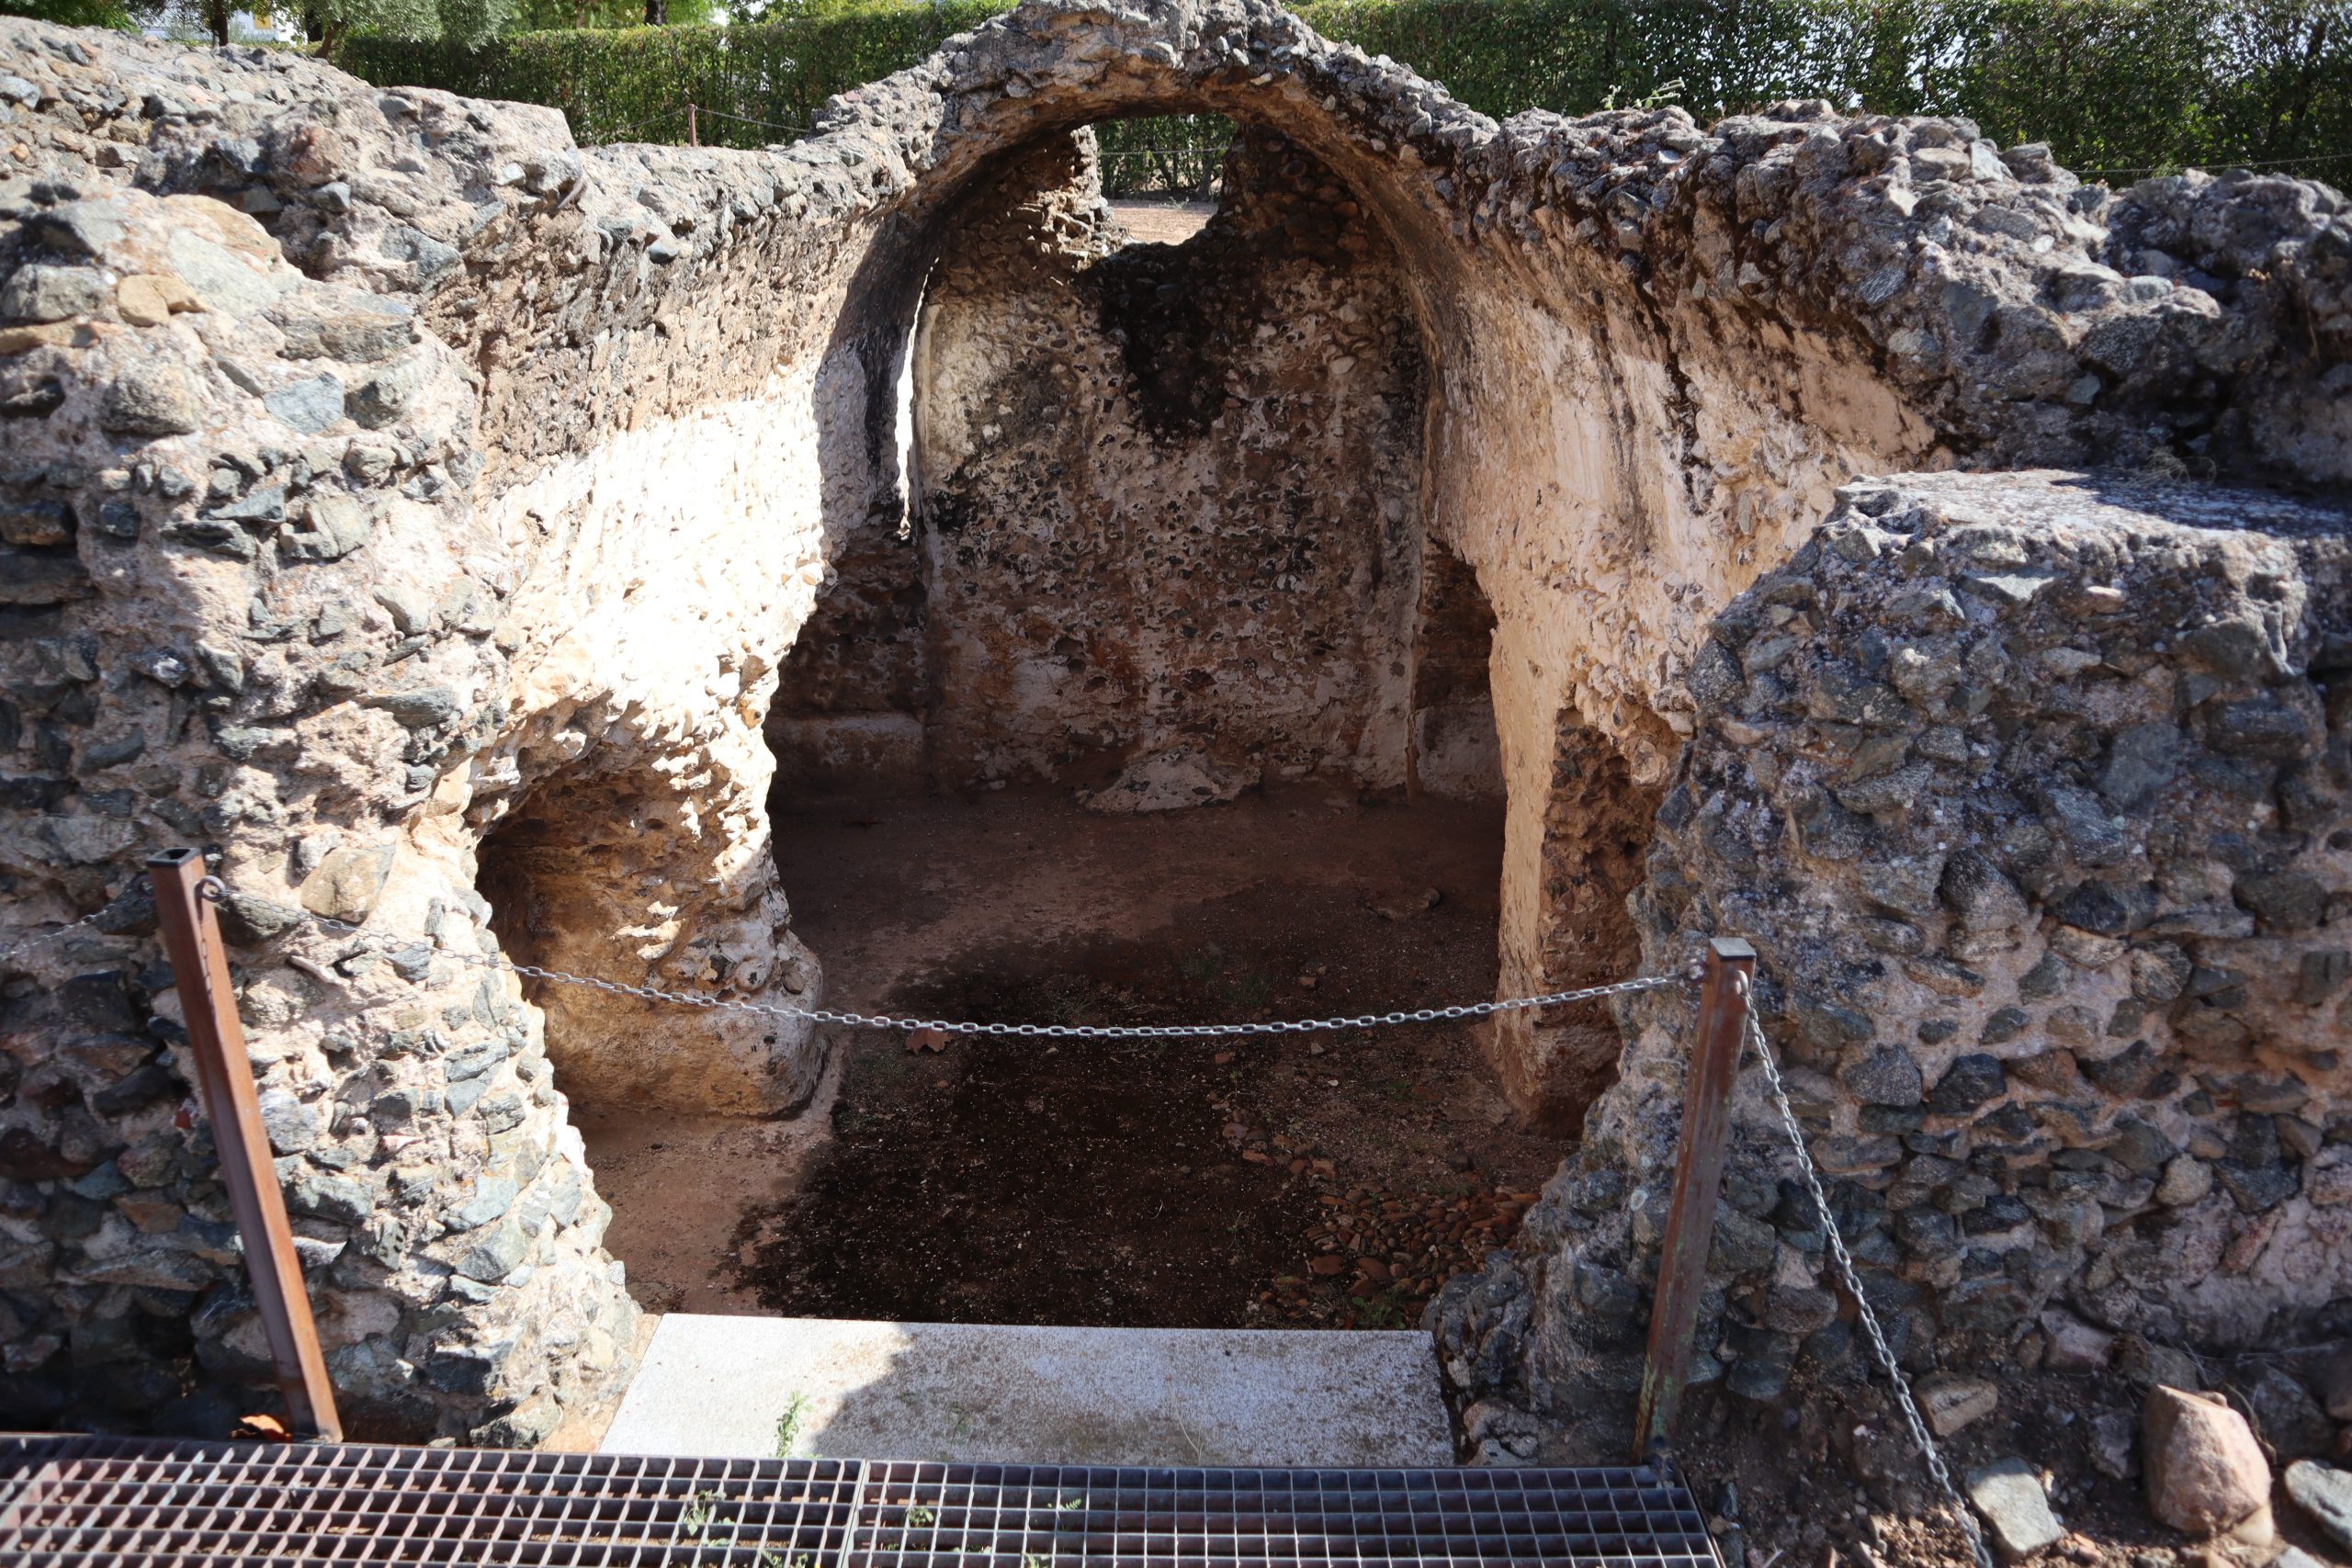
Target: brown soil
x: 1163, y: 222
x: 1184, y: 1183
x: 1092, y: 1184
x: 1834, y: 1478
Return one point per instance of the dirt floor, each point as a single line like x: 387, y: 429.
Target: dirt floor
x: 1332, y: 1181
x: 1327, y: 1181
x: 1163, y: 222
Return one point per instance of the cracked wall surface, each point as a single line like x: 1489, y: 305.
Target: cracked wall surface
x: 395, y: 492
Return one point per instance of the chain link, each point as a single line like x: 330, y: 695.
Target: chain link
x: 211, y: 890
x: 747, y: 119
x: 28, y: 946
x: 1051, y: 1031
x: 1853, y: 1276
x: 654, y: 119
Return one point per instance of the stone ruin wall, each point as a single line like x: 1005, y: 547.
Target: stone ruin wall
x: 392, y: 598
x: 387, y: 477
x: 2032, y: 792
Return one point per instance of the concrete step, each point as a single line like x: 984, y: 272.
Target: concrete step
x: 719, y: 1386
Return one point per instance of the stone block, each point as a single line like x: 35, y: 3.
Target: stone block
x: 2075, y: 1346
x: 2324, y: 1494
x: 2291, y: 1424
x: 2007, y: 1495
x: 1951, y: 1401
x: 347, y: 882
x: 2206, y: 1475
x: 1971, y: 1081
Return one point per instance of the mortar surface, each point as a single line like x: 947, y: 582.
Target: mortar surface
x: 720, y: 1385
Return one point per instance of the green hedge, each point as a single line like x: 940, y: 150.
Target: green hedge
x: 2114, y: 85
x: 762, y: 83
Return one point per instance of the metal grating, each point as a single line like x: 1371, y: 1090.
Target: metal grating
x: 909, y: 1516
x: 68, y: 1502
x: 91, y: 1501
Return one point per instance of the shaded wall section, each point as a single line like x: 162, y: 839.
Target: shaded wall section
x: 1166, y: 525
x: 1457, y: 755
x: 1597, y: 821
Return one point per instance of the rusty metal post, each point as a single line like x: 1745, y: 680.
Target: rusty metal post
x: 1729, y: 976
x: 694, y: 131
x: 225, y: 1076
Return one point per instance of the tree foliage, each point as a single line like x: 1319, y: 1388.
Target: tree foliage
x: 90, y: 13
x: 2119, y: 86
x: 759, y: 83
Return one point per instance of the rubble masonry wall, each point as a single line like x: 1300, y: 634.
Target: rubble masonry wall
x: 387, y: 477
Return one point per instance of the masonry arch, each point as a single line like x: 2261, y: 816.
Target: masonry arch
x: 1392, y: 159
x: 1600, y: 462
x: 886, y: 720
x: 1479, y: 371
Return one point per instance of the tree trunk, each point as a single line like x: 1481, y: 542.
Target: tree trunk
x: 216, y: 17
x: 657, y: 13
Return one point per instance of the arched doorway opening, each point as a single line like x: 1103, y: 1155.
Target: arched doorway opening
x: 1161, y: 700
x: 1145, y: 529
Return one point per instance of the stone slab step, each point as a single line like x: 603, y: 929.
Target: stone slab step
x: 718, y: 1387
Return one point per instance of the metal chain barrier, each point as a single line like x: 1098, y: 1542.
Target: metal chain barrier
x: 747, y: 119
x: 1852, y: 1277
x: 1047, y: 1030
x: 28, y: 945
x: 212, y: 889
x: 623, y: 132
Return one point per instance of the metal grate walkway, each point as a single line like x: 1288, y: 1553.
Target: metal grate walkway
x: 131, y: 1502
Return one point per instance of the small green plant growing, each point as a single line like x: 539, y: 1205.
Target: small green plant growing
x: 788, y: 1425
x: 920, y: 1516
x: 695, y: 1521
x: 1069, y: 1504
x: 1665, y: 92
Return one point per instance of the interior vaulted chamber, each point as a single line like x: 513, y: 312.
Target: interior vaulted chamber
x: 1168, y: 535
x: 1165, y: 515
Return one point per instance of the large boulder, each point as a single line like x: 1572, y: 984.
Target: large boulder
x: 2206, y: 1473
